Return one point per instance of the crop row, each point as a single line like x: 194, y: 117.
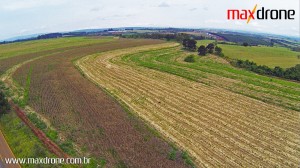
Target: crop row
x: 218, y: 127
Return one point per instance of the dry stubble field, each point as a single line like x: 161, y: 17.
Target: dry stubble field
x: 218, y: 127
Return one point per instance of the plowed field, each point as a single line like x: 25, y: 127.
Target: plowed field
x: 88, y: 116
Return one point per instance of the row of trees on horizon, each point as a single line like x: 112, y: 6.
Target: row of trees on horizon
x: 292, y: 73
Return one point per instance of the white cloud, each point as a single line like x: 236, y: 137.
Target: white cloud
x: 164, y: 5
x: 39, y: 16
x: 13, y: 5
x: 95, y: 9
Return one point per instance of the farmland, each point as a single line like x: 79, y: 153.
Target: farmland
x: 86, y: 116
x: 262, y: 55
x: 224, y: 117
x: 21, y: 48
x: 137, y: 103
x: 15, y: 53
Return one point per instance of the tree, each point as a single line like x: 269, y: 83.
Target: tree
x: 293, y: 73
x: 4, y: 105
x: 189, y: 44
x: 218, y: 50
x: 185, y: 42
x: 202, y: 50
x: 278, y: 71
x: 210, y: 48
x: 245, y: 44
x: 192, y: 45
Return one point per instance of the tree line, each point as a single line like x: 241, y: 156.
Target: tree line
x: 292, y: 73
x: 166, y: 36
x: 211, y: 48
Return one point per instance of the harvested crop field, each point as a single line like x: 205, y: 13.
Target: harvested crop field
x: 211, y: 70
x: 192, y: 105
x: 87, y: 116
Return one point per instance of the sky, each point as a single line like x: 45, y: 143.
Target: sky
x: 25, y: 17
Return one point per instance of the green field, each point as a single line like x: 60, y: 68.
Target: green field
x: 213, y: 71
x: 262, y: 55
x: 21, y: 139
x: 20, y: 48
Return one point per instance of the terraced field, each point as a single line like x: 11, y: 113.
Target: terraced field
x: 224, y: 117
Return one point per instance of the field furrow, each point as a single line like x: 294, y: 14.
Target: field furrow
x: 86, y: 116
x: 217, y: 126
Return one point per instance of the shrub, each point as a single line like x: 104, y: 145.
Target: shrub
x: 52, y: 134
x: 37, y: 121
x: 190, y: 58
x: 172, y: 154
x: 68, y: 147
x: 4, y: 105
x: 218, y: 50
x: 187, y: 159
x: 245, y: 44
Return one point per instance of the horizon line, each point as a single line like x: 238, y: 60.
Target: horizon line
x: 153, y: 27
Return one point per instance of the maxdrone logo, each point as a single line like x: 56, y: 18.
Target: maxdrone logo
x: 260, y: 14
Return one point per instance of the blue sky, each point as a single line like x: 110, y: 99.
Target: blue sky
x: 23, y: 17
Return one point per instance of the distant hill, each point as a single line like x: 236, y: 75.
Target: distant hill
x: 229, y: 35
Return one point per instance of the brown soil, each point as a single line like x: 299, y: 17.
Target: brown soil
x: 7, y: 63
x: 86, y: 115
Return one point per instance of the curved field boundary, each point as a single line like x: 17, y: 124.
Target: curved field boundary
x: 18, y: 93
x: 47, y: 45
x: 89, y: 117
x: 271, y: 90
x: 218, y: 127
